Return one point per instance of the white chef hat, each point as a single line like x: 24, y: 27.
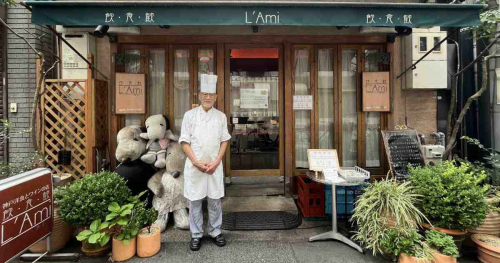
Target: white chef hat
x: 208, y: 83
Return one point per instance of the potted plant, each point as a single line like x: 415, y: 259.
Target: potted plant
x: 95, y: 241
x: 61, y: 231
x: 384, y: 205
x: 149, y: 238
x: 491, y: 224
x: 442, y: 246
x: 452, y: 197
x: 87, y: 199
x: 405, y: 244
x: 488, y: 247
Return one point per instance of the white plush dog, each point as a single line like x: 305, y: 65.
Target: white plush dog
x: 159, y: 136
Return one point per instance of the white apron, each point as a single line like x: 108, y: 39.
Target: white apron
x: 205, y: 144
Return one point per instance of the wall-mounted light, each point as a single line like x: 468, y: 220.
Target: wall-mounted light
x: 255, y: 29
x: 401, y: 31
x: 100, y: 31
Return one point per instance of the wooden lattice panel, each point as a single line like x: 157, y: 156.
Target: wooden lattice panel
x: 64, y: 124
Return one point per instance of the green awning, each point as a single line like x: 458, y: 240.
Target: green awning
x: 228, y: 13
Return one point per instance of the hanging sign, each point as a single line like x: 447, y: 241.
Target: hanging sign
x: 130, y: 93
x: 26, y: 211
x: 376, y: 92
x: 254, y: 98
x: 402, y: 148
x: 321, y: 160
x: 302, y: 102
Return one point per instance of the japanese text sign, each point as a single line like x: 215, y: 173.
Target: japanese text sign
x: 302, y: 102
x: 320, y: 160
x: 130, y: 93
x: 376, y: 92
x: 26, y: 211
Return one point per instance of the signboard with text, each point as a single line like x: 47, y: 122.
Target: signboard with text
x: 322, y: 159
x: 130, y: 93
x: 376, y: 92
x: 302, y: 102
x: 26, y: 211
x: 254, y: 98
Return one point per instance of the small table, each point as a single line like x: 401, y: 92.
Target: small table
x: 334, y: 234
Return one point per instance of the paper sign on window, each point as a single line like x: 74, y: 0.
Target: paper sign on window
x: 130, y: 93
x: 302, y: 102
x: 376, y: 92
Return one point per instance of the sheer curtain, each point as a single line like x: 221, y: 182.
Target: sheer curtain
x: 349, y: 109
x: 326, y: 98
x: 133, y: 66
x: 156, y: 81
x: 181, y: 87
x: 372, y: 119
x: 302, y: 117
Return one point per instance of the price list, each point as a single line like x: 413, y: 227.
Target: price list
x: 403, y: 149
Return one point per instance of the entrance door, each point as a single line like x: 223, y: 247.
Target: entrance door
x: 254, y: 106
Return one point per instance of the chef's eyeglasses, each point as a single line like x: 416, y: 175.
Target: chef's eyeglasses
x: 208, y: 95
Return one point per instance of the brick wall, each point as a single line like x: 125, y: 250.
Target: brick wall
x: 21, y: 76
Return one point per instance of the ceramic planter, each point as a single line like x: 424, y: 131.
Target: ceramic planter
x: 440, y: 258
x: 488, y: 248
x: 122, y: 252
x: 95, y: 252
x: 148, y: 244
x: 491, y: 224
x: 458, y: 235
x: 403, y: 258
x: 61, y: 233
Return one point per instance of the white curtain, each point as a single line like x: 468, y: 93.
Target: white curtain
x: 302, y: 117
x: 156, y: 81
x: 326, y: 98
x: 133, y: 66
x: 349, y: 109
x: 181, y: 87
x: 372, y: 119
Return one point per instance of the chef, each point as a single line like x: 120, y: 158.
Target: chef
x: 204, y: 137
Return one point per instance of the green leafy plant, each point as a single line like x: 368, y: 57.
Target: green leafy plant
x: 94, y: 237
x: 407, y: 241
x: 381, y: 202
x: 452, y: 196
x: 441, y: 242
x: 491, y: 164
x: 88, y: 198
x: 150, y: 218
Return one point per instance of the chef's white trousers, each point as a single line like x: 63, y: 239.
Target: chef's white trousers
x: 196, y: 217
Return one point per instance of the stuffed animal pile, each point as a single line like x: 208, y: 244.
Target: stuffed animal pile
x: 151, y: 159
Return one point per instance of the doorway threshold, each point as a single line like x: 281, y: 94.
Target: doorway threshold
x: 259, y: 203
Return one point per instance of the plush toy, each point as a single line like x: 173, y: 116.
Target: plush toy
x: 159, y: 136
x: 135, y: 172
x: 168, y: 188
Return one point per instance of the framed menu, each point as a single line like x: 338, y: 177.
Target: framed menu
x: 403, y: 148
x: 322, y: 159
x: 130, y: 93
x: 376, y: 92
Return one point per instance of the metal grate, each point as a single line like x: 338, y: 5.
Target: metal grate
x: 260, y: 220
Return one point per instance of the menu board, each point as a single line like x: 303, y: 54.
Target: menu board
x: 321, y: 160
x: 25, y: 211
x: 130, y: 93
x: 402, y: 148
x: 376, y: 92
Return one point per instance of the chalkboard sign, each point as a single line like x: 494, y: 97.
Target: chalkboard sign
x: 402, y: 148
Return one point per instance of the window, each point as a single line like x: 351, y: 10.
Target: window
x: 156, y: 81
x: 181, y: 86
x: 302, y: 73
x: 423, y: 44
x: 436, y: 41
x: 326, y: 98
x: 372, y: 119
x: 349, y: 107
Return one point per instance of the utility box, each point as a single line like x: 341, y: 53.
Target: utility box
x: 432, y: 71
x: 74, y: 67
x: 433, y: 153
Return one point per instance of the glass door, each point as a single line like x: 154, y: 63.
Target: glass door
x: 253, y: 102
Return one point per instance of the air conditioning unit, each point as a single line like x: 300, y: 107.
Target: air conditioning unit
x: 74, y: 67
x: 432, y: 71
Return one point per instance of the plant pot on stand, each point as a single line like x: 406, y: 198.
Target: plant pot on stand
x: 122, y: 251
x: 148, y: 241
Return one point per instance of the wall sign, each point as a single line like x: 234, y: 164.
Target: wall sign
x: 254, y: 98
x: 376, y: 92
x: 402, y: 148
x: 321, y: 160
x: 26, y: 213
x: 302, y: 102
x: 130, y: 93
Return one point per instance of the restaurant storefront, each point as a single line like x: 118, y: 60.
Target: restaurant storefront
x: 289, y: 73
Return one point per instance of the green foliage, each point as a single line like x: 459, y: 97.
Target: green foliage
x: 491, y: 166
x: 452, y: 195
x: 95, y: 237
x: 8, y: 2
x: 441, y: 242
x: 381, y: 200
x: 150, y: 218
x: 88, y: 198
x: 408, y: 242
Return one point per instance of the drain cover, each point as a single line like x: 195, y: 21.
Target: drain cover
x: 260, y: 220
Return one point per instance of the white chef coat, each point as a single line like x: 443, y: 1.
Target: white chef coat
x: 204, y: 131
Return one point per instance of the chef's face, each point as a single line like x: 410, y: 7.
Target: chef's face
x: 207, y: 99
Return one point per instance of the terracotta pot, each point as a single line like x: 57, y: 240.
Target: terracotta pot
x: 490, y: 226
x: 403, y: 258
x: 95, y: 252
x: 61, y: 233
x: 440, y: 258
x: 458, y: 235
x: 148, y: 244
x: 122, y: 252
x: 487, y: 252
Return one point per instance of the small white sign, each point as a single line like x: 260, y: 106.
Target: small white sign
x: 235, y: 120
x: 303, y: 102
x: 321, y: 160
